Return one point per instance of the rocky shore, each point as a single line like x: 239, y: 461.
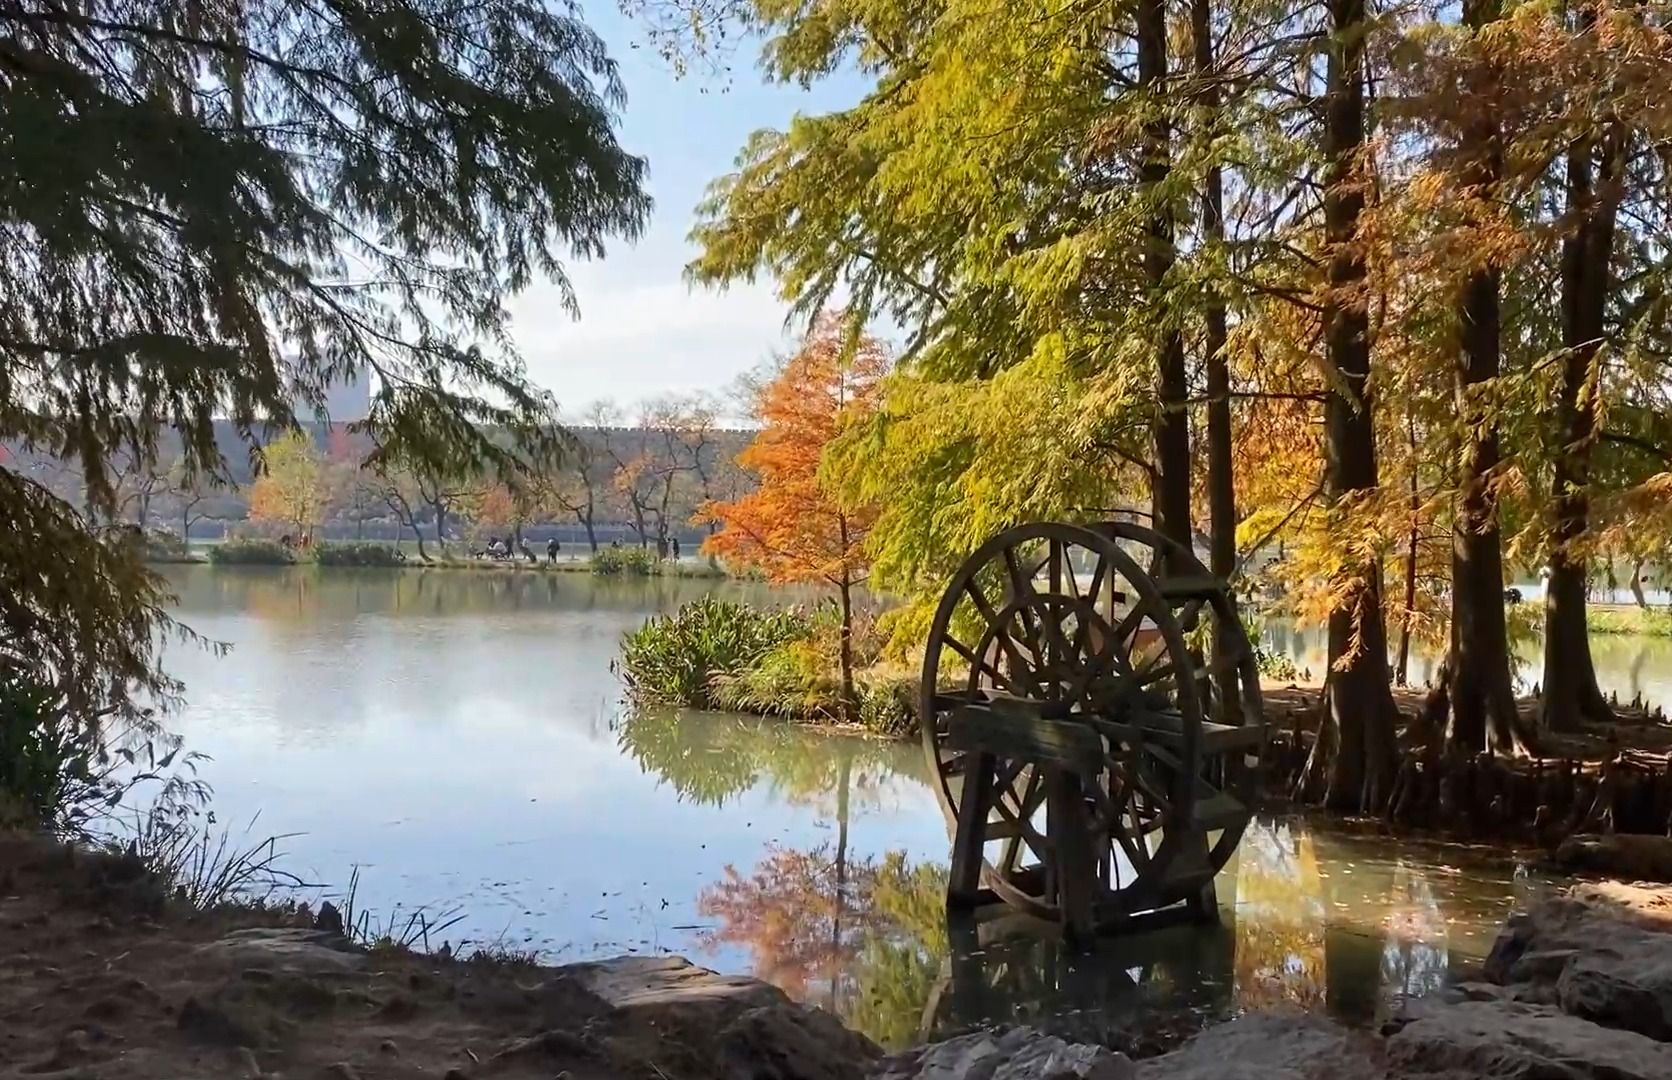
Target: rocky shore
x: 101, y: 977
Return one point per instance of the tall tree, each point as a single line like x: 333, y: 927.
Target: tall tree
x: 1593, y: 186
x: 1172, y: 424
x: 1221, y: 481
x: 792, y: 526
x: 214, y: 212
x: 1479, y: 689
x: 1360, y: 714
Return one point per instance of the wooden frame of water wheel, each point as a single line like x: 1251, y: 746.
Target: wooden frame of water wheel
x: 1065, y: 715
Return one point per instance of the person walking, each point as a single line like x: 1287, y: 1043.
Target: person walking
x: 674, y: 543
x: 552, y: 548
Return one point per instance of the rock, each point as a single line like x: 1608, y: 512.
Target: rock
x: 1626, y: 855
x: 788, y: 1042
x: 1600, y: 952
x: 1514, y: 1041
x: 637, y: 983
x: 734, y: 1026
x: 329, y: 920
x: 555, y: 1043
x: 211, y: 1023
x: 287, y: 948
x: 1017, y: 1053
x: 1274, y: 1044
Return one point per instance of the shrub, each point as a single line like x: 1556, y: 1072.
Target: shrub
x: 888, y: 706
x: 1653, y: 621
x: 251, y: 553
x: 65, y: 773
x: 789, y: 680
x: 674, y: 659
x: 161, y: 546
x: 359, y: 553
x: 44, y: 758
x: 624, y: 562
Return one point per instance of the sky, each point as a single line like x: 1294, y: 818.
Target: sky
x: 643, y: 331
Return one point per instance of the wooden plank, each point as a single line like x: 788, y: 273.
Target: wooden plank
x: 963, y: 884
x: 1072, y: 853
x: 1067, y: 744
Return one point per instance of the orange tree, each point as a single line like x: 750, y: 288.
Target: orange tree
x: 791, y: 526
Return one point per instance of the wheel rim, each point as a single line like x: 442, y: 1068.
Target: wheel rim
x: 1062, y: 615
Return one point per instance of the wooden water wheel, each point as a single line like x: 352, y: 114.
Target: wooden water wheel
x: 1091, y: 708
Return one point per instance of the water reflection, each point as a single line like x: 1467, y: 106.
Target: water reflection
x: 459, y: 737
x: 1311, y: 918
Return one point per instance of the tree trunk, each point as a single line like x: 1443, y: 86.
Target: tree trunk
x: 1479, y: 687
x: 1222, y: 494
x: 1408, y: 609
x: 591, y: 536
x: 440, y: 526
x: 1172, y: 424
x: 1571, y: 695
x: 1402, y: 667
x: 850, y: 702
x: 1637, y: 584
x: 1358, y: 703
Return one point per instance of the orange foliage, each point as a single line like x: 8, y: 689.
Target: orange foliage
x: 790, y: 526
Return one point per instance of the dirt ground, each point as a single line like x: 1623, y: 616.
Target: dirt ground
x: 103, y: 978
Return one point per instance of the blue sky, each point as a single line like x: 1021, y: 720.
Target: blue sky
x: 643, y: 331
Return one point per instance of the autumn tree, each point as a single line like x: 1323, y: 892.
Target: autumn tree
x: 792, y: 526
x: 291, y: 487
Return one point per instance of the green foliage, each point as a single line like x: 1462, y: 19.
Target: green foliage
x: 789, y: 681
x: 787, y: 667
x: 359, y: 553
x: 1656, y: 622
x: 217, y: 214
x: 43, y: 758
x: 65, y: 773
x: 251, y: 553
x: 674, y: 659
x: 79, y: 611
x: 888, y: 706
x: 165, y: 547
x: 623, y: 562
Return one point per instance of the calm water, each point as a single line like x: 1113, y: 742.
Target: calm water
x: 459, y: 738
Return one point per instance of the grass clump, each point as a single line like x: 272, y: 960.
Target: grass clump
x: 624, y: 562
x: 675, y: 659
x: 359, y: 553
x: 718, y: 654
x: 165, y: 547
x: 251, y: 553
x: 1654, y: 622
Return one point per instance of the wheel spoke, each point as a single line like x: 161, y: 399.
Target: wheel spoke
x: 977, y: 663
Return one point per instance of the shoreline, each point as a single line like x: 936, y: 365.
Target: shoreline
x: 683, y: 570
x: 109, y: 976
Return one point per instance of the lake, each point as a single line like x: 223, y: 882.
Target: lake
x: 459, y: 738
